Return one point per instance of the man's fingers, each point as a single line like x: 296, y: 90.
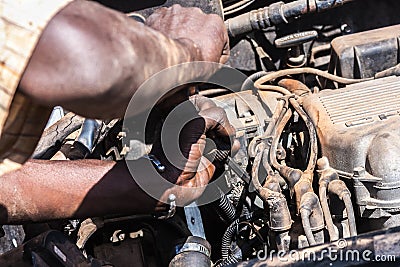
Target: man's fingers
x: 201, y: 102
x: 206, y: 31
x: 225, y: 53
x: 215, y: 117
x: 217, y: 123
x: 186, y: 189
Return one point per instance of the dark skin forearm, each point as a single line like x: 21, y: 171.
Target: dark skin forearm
x: 91, y: 60
x: 79, y: 189
x: 87, y: 188
x: 47, y: 190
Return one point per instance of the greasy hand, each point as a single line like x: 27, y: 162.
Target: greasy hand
x: 197, y: 171
x: 206, y: 31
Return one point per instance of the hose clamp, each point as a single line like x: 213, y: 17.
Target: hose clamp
x: 193, y: 247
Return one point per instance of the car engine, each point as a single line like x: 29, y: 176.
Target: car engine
x: 316, y: 110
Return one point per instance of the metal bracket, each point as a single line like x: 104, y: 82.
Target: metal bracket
x: 172, y: 208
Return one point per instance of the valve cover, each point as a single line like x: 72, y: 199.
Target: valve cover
x: 359, y: 131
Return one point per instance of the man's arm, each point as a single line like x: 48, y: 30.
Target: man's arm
x: 48, y: 190
x: 91, y: 59
x: 77, y: 189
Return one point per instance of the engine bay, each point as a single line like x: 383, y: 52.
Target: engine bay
x: 318, y: 120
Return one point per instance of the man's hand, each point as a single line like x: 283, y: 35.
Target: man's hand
x: 206, y: 31
x: 103, y: 56
x: 197, y: 171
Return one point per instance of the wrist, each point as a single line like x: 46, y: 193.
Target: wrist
x: 192, y: 49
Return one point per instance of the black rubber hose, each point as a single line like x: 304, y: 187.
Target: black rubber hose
x: 228, y: 235
x: 248, y: 84
x: 227, y: 207
x: 228, y: 261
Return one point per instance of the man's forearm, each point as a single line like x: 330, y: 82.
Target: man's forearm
x: 91, y: 60
x: 78, y: 189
